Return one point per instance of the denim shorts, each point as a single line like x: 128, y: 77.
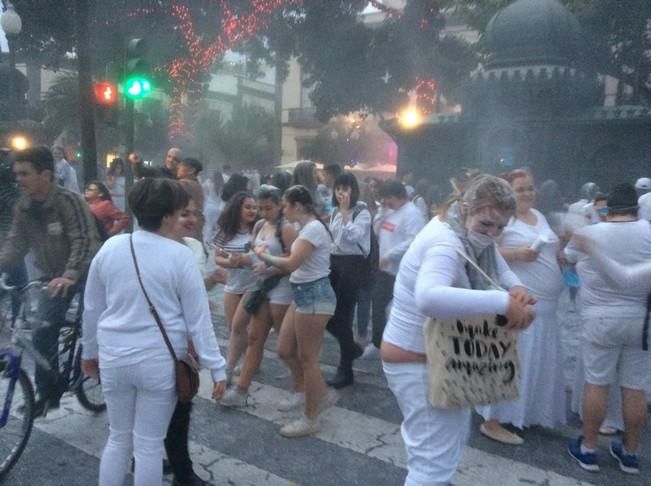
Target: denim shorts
x: 314, y: 297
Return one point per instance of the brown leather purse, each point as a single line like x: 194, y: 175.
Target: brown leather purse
x: 186, y: 368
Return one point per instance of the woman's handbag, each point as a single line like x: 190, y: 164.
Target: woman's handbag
x: 185, y: 368
x: 471, y: 361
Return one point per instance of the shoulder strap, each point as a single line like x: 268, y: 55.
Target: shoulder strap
x: 645, y: 329
x: 257, y: 228
x: 152, y: 309
x: 478, y: 269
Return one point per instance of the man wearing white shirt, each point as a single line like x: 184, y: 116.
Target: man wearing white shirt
x: 396, y: 225
x: 643, y: 188
x: 64, y: 173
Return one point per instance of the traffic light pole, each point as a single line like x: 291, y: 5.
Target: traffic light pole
x: 86, y: 107
x: 129, y: 144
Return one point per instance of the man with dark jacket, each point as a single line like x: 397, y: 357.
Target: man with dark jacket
x: 57, y: 227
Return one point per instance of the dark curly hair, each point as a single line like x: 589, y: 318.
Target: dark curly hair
x: 229, y: 220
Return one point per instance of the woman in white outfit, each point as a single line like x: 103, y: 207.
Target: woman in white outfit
x: 313, y: 303
x: 121, y: 337
x: 433, y: 281
x: 530, y: 247
x: 277, y: 235
x: 233, y: 253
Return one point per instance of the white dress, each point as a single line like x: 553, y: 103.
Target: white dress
x: 542, y: 398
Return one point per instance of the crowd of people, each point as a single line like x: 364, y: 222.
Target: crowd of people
x: 306, y: 252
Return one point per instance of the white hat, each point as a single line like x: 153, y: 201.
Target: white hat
x: 643, y: 183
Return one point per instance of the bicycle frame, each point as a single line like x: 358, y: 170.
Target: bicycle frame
x: 11, y: 363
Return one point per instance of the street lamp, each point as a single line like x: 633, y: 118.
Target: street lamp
x: 11, y: 25
x: 410, y: 118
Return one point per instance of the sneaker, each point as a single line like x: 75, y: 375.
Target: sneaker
x: 629, y: 463
x: 607, y: 430
x: 43, y: 405
x: 296, y: 400
x: 303, y: 427
x: 234, y: 398
x: 371, y: 352
x: 586, y: 461
x: 328, y: 400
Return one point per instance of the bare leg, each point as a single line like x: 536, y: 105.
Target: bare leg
x: 237, y: 338
x: 309, y: 334
x: 230, y: 304
x: 595, y: 402
x: 288, y: 351
x: 635, y: 411
x: 258, y: 331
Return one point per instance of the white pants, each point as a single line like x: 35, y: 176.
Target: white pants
x: 140, y: 400
x: 434, y: 437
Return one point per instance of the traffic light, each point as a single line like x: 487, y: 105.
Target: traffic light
x: 137, y: 83
x: 106, y: 94
x: 137, y: 87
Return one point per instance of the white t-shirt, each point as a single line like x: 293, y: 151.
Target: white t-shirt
x: 395, y: 231
x: 432, y: 281
x: 240, y: 280
x: 317, y: 263
x: 542, y: 276
x: 627, y: 243
x: 645, y: 206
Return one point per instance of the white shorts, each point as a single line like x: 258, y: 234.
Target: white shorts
x: 281, y: 294
x: 434, y: 437
x: 612, y: 352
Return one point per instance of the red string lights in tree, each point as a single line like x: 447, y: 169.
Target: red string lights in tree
x: 187, y: 72
x: 426, y: 94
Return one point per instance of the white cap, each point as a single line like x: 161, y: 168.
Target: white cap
x: 643, y: 183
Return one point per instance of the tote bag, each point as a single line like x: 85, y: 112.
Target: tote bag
x: 471, y: 361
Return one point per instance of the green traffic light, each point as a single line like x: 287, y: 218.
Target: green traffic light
x: 137, y: 88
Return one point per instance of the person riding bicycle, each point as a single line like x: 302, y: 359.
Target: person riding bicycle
x: 57, y: 227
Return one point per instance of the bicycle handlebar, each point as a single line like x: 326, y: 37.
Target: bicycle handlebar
x: 11, y: 288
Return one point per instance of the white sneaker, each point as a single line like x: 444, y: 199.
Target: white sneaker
x: 296, y: 400
x: 371, y: 352
x: 302, y: 427
x: 328, y: 400
x: 234, y: 398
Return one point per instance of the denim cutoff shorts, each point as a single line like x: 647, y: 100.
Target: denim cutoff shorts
x: 314, y: 297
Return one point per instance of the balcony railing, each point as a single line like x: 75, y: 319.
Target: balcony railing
x: 303, y: 118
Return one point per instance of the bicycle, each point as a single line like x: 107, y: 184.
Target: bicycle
x: 16, y: 389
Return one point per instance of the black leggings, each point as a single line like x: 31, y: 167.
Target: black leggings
x: 382, y: 296
x: 346, y: 276
x: 176, y: 443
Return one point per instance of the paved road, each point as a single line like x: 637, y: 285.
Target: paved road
x: 359, y: 444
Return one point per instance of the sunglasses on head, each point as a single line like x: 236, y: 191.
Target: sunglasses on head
x: 92, y: 188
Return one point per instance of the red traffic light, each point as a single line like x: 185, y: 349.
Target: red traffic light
x: 106, y: 93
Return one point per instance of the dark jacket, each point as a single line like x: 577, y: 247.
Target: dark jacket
x: 60, y: 231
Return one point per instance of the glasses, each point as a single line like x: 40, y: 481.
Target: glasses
x: 92, y: 188
x: 603, y: 211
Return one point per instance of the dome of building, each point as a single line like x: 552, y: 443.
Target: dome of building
x: 530, y: 32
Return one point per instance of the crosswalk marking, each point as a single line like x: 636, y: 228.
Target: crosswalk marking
x: 364, y: 434
x: 88, y: 432
x: 380, y: 439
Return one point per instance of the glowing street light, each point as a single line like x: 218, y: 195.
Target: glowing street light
x: 19, y: 142
x: 410, y: 118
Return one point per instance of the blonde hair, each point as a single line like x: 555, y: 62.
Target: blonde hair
x: 482, y: 192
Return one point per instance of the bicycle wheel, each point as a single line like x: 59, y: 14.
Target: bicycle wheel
x: 15, y: 433
x: 88, y: 391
